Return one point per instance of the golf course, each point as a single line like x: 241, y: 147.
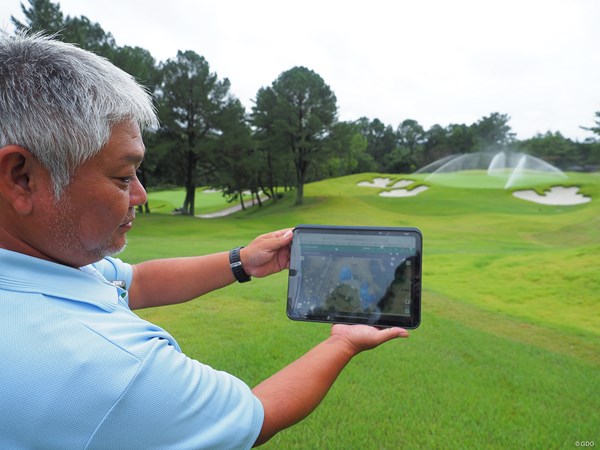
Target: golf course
x: 507, y: 355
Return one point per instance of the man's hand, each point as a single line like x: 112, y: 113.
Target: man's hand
x: 268, y: 253
x: 365, y: 337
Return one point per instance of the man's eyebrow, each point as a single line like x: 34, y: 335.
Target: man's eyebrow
x: 133, y: 158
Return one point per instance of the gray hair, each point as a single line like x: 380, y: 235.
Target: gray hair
x: 60, y: 102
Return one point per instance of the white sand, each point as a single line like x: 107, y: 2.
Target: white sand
x: 402, y: 184
x: 376, y: 183
x: 383, y: 182
x: 397, y: 190
x: 558, y: 195
x: 404, y: 192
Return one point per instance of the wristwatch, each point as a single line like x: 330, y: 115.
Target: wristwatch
x: 236, y: 265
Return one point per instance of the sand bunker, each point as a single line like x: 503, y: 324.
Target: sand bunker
x: 558, y: 195
x: 404, y: 192
x: 376, y: 183
x: 397, y: 188
x: 402, y: 184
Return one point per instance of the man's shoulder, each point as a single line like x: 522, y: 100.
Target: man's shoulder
x: 114, y: 269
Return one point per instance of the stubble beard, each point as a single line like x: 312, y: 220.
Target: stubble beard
x: 69, y: 239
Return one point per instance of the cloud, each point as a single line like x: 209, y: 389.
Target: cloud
x: 434, y: 61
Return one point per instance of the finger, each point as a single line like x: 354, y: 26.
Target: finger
x: 394, y: 332
x: 284, y: 232
x: 287, y: 235
x: 283, y: 259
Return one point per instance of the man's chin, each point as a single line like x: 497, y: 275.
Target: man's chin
x: 112, y: 250
x: 119, y: 249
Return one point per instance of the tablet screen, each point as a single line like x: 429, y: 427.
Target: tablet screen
x: 369, y: 275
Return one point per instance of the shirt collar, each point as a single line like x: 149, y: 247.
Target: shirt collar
x: 24, y: 273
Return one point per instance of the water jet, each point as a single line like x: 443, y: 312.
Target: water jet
x: 500, y: 170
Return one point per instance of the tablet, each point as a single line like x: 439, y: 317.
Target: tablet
x: 348, y: 274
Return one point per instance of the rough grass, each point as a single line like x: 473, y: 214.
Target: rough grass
x: 508, y: 353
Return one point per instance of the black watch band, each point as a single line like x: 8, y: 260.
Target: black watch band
x: 236, y: 265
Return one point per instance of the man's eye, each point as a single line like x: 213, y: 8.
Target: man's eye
x: 126, y: 180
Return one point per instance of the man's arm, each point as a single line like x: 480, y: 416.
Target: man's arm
x: 294, y: 392
x: 175, y: 280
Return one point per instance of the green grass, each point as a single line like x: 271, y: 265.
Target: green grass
x: 480, y: 178
x: 207, y: 201
x: 508, y: 352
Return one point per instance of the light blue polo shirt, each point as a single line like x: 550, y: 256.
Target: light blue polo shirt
x: 79, y: 370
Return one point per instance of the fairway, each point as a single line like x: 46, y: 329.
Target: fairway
x: 508, y: 352
x: 207, y: 201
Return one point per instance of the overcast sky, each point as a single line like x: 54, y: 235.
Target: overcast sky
x: 435, y: 61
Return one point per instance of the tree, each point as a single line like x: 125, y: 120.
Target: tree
x: 139, y: 63
x: 436, y: 145
x: 89, y: 35
x: 237, y: 166
x: 45, y: 16
x: 191, y: 101
x: 350, y: 149
x: 270, y: 145
x: 406, y: 155
x: 299, y: 111
x: 492, y: 133
x: 588, y: 156
x: 381, y: 141
x: 589, y: 150
x: 553, y: 148
x: 461, y: 138
x: 344, y: 153
x: 595, y: 129
x: 42, y: 15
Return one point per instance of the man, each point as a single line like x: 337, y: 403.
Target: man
x: 78, y: 368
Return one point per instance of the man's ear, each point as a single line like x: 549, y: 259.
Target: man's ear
x: 17, y: 172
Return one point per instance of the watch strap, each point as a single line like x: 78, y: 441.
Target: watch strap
x: 235, y: 263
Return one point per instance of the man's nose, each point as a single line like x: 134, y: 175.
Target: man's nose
x: 137, y: 193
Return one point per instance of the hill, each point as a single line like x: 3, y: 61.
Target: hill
x: 508, y: 353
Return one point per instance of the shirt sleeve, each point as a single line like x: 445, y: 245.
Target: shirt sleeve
x: 175, y: 402
x: 114, y: 269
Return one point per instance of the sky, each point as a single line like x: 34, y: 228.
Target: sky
x: 434, y: 61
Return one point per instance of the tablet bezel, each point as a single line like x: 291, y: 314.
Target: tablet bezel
x: 410, y: 321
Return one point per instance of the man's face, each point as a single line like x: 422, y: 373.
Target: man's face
x: 90, y: 219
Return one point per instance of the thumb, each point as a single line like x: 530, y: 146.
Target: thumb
x: 287, y: 236
x: 284, y: 236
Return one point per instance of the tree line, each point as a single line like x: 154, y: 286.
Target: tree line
x: 291, y: 136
